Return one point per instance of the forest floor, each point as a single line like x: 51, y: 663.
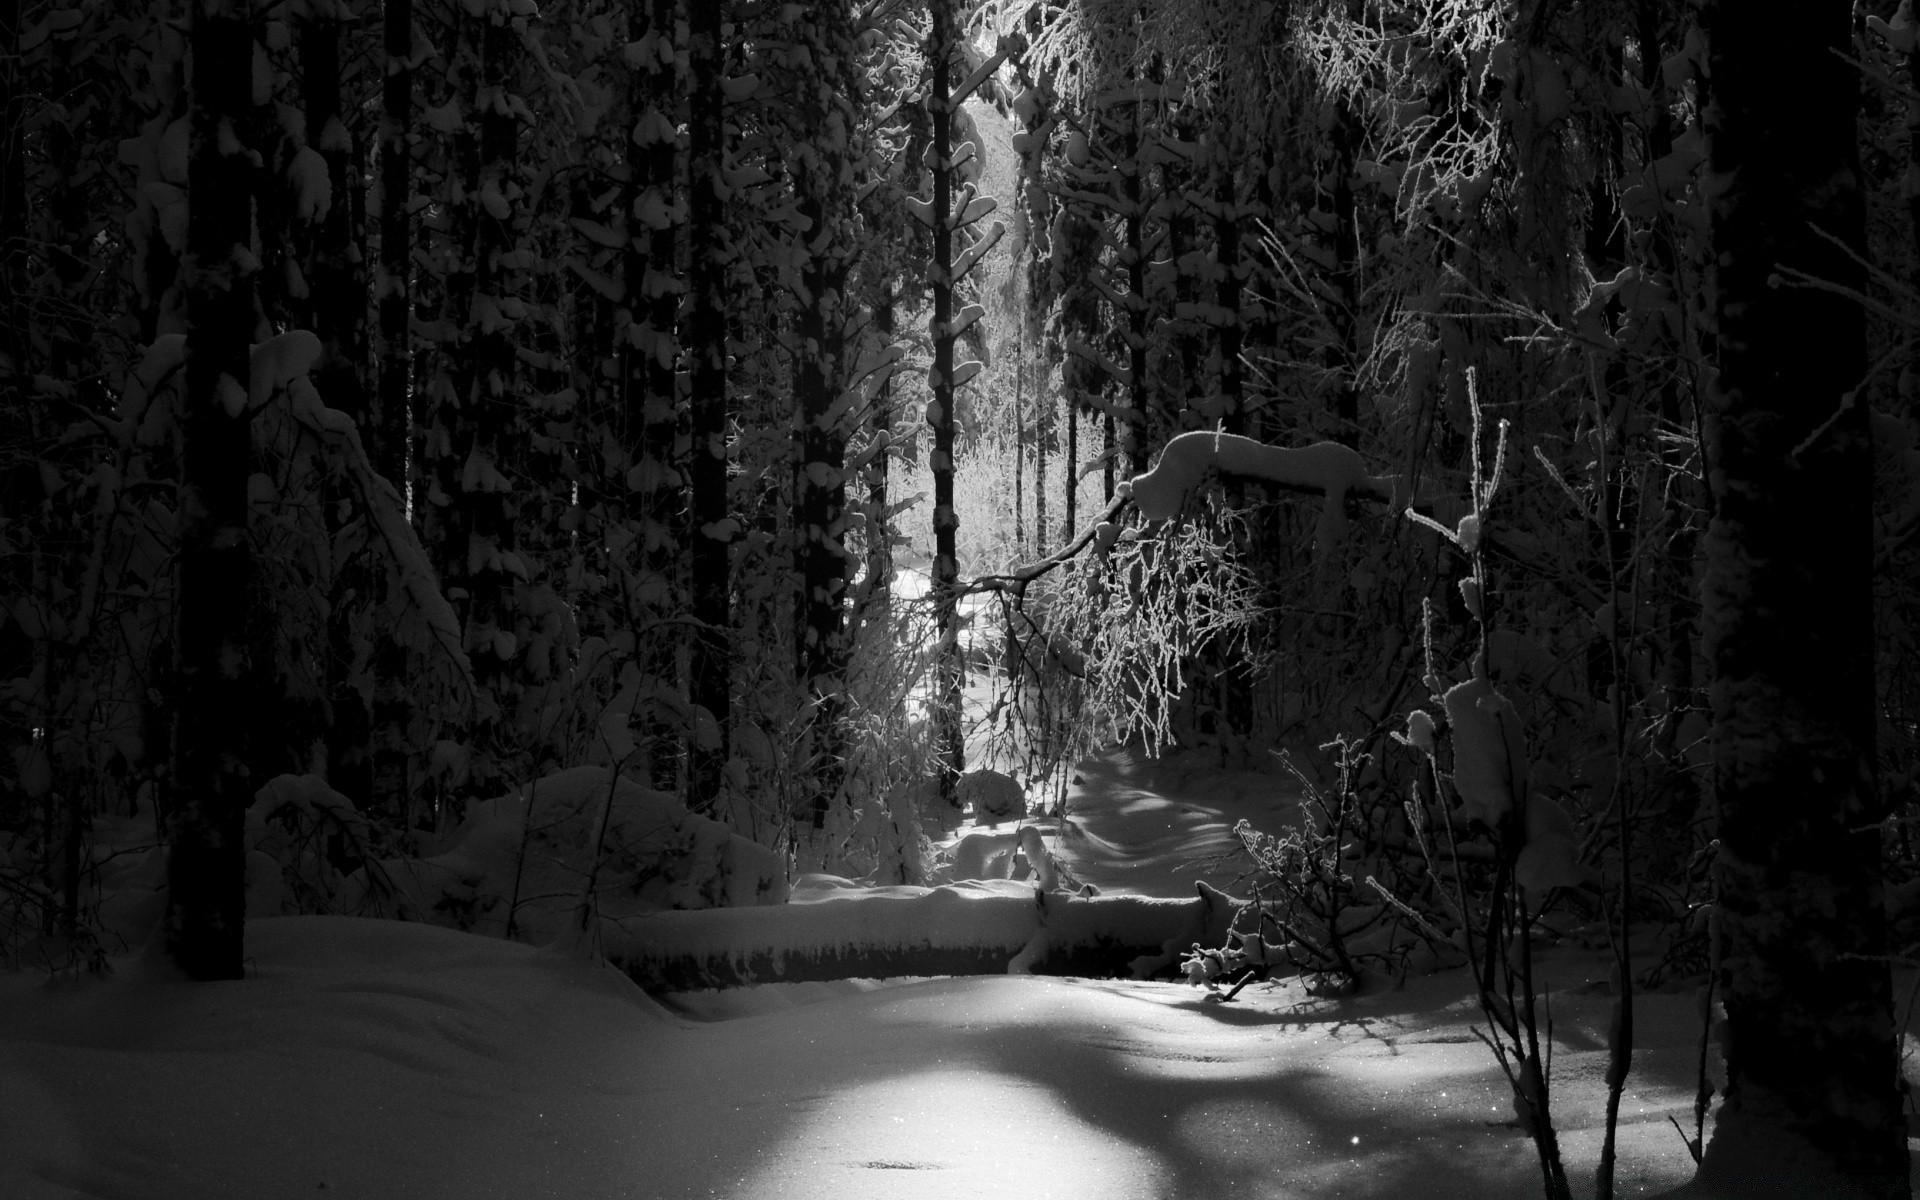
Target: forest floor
x: 392, y: 1060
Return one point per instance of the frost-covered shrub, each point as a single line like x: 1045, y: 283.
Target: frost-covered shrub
x: 1342, y: 895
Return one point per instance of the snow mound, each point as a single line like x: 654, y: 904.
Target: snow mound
x: 993, y: 795
x: 527, y: 858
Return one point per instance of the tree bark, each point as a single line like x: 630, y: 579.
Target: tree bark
x: 206, y: 863
x: 948, y: 672
x: 653, y: 399
x: 711, y: 536
x: 1812, y: 1106
x: 393, y: 422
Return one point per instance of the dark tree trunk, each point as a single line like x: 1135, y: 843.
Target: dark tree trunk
x: 948, y: 672
x: 653, y: 401
x: 879, y: 529
x: 1143, y: 411
x: 1231, y: 282
x: 1812, y: 1106
x: 1343, y: 300
x: 390, y: 428
x: 822, y: 493
x: 13, y: 202
x: 711, y: 535
x: 393, y: 423
x: 206, y: 864
x: 337, y: 287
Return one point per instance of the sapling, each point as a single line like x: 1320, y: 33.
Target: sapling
x: 1532, y: 835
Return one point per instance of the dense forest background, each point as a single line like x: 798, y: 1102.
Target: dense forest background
x: 611, y: 363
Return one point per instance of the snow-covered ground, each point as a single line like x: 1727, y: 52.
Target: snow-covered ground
x: 1152, y: 826
x: 384, y: 1059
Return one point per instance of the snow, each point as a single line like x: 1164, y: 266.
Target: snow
x: 993, y: 794
x: 1152, y: 827
x: 1488, y: 750
x: 312, y: 186
x: 1334, y: 470
x: 371, y: 1058
x: 386, y: 1059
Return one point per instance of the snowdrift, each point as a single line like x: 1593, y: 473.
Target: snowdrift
x: 967, y: 928
x: 529, y: 860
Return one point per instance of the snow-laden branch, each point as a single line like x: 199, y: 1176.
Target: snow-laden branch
x: 1328, y: 469
x: 1324, y: 468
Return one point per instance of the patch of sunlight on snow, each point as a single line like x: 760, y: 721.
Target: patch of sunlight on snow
x: 954, y: 1133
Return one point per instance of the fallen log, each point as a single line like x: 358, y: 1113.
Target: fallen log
x: 957, y: 929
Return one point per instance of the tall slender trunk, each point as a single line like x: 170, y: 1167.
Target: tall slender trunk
x: 13, y: 205
x: 879, y: 529
x: 1143, y: 407
x: 338, y: 293
x: 711, y: 536
x: 1019, y: 458
x: 949, y: 672
x: 480, y: 475
x: 654, y: 289
x: 210, y: 785
x: 390, y: 427
x: 1042, y: 436
x: 1811, y: 1105
x: 1235, y: 680
x: 1070, y: 472
x: 821, y: 489
x: 393, y: 422
x: 1341, y: 354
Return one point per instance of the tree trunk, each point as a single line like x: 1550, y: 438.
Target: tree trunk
x: 388, y: 446
x: 1812, y: 1106
x: 879, y: 528
x: 822, y: 492
x: 391, y: 424
x: 206, y: 863
x: 653, y: 399
x: 948, y: 673
x: 338, y: 292
x: 711, y: 536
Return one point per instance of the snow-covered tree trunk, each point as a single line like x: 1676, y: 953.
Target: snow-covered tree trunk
x: 712, y: 532
x: 1811, y: 1105
x: 209, y: 781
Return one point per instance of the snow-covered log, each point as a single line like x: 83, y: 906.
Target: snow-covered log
x: 977, y: 928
